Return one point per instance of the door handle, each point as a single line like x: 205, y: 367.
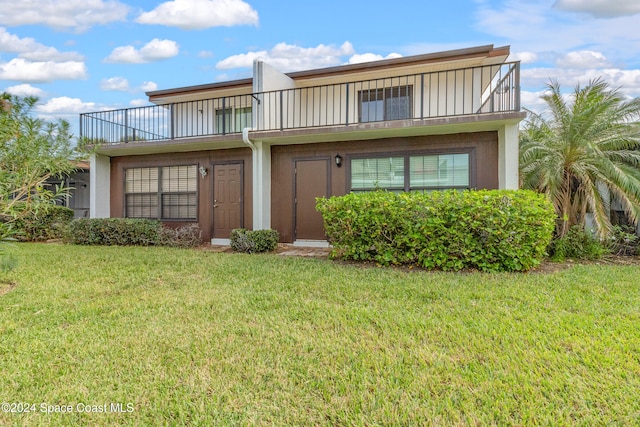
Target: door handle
x: 215, y: 203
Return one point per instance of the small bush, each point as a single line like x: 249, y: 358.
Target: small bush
x: 45, y: 223
x: 624, y: 242
x: 188, y: 236
x: 577, y: 244
x: 113, y: 231
x: 252, y: 241
x: 490, y: 230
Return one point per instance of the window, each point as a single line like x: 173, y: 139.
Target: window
x: 168, y: 192
x: 411, y: 172
x: 381, y: 172
x: 233, y: 120
x: 392, y: 103
x: 141, y: 193
x: 439, y: 171
x: 243, y: 118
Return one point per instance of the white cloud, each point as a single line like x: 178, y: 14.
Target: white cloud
x: 22, y: 70
x: 25, y: 90
x: 287, y: 57
x: 537, y: 27
x: 532, y: 101
x: 77, y: 15
x: 119, y: 84
x: 515, y: 20
x: 583, y: 59
x: 155, y: 50
x: 149, y: 86
x: 368, y: 57
x: 138, y: 103
x: 28, y: 48
x: 568, y: 47
x: 65, y: 105
x: 627, y: 80
x: 600, y: 8
x: 523, y: 57
x: 205, y: 54
x: 200, y: 14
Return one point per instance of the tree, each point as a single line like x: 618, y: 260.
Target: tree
x: 583, y: 151
x: 32, y: 151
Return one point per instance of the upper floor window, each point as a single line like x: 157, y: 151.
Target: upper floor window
x: 168, y: 192
x: 393, y: 103
x: 233, y: 120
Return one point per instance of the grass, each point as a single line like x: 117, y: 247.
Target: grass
x: 189, y: 337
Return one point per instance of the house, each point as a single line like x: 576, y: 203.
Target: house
x: 255, y: 153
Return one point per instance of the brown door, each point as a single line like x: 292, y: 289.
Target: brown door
x: 311, y: 181
x: 227, y: 199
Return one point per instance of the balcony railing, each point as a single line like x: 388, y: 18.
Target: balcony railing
x: 450, y: 93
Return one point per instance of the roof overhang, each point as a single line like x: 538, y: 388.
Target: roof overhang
x: 354, y: 132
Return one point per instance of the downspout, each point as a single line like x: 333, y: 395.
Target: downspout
x: 246, y: 140
x: 261, y: 176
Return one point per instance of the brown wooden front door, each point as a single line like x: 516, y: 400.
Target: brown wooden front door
x: 227, y: 199
x: 311, y: 181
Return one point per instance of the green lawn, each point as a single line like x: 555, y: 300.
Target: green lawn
x: 189, y: 337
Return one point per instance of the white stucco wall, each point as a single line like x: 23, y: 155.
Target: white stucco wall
x: 261, y: 161
x: 100, y: 183
x: 508, y: 157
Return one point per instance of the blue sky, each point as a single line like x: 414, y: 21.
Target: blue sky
x: 89, y: 55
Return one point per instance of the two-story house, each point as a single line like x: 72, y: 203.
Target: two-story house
x: 255, y: 153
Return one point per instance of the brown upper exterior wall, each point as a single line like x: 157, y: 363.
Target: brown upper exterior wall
x: 205, y: 185
x: 483, y: 147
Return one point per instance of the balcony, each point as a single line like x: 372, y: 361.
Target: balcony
x: 440, y: 94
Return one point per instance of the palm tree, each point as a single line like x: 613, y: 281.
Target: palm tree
x: 583, y: 151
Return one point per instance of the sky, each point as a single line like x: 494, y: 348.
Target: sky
x: 81, y: 56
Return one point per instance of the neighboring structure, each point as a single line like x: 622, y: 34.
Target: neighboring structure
x: 255, y: 153
x: 78, y: 197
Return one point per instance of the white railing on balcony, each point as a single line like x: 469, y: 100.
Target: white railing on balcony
x: 450, y: 93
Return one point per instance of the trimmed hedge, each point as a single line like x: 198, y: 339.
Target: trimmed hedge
x: 251, y: 241
x: 131, y: 232
x: 48, y: 222
x: 488, y: 230
x: 114, y: 231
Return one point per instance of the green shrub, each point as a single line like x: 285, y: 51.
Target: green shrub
x: 7, y: 262
x: 490, y: 230
x: 252, y: 241
x: 113, y: 231
x: 45, y: 223
x: 577, y: 244
x: 188, y: 236
x: 623, y: 242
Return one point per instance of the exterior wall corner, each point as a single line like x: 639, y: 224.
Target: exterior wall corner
x: 100, y: 186
x: 508, y: 157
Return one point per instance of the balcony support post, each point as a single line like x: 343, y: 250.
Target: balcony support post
x: 281, y: 111
x: 126, y: 125
x: 346, y: 107
x: 422, y: 96
x: 172, y: 131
